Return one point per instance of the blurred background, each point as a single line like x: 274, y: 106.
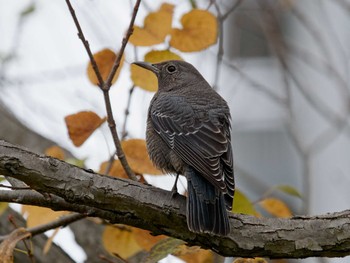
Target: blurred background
x: 282, y: 65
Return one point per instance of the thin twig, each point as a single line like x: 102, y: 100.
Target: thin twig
x: 106, y: 85
x: 127, y: 112
x: 86, y: 45
x: 14, y: 188
x: 116, y: 63
x: 62, y: 221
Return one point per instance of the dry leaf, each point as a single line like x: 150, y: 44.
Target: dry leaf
x: 56, y: 152
x: 137, y: 156
x: 144, y: 78
x: 81, y: 125
x: 145, y: 239
x: 40, y: 215
x: 8, y: 245
x: 199, y: 31
x: 194, y: 254
x: 156, y: 26
x: 104, y: 60
x: 120, y: 241
x: 276, y: 207
x: 117, y: 170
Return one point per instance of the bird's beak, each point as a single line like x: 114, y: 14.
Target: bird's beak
x: 147, y: 66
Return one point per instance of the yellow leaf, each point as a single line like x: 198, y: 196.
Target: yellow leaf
x: 194, y: 254
x: 81, y: 125
x: 120, y: 241
x: 136, y: 153
x: 144, y: 78
x: 242, y: 205
x: 199, y: 31
x: 156, y: 26
x: 40, y: 215
x: 8, y: 245
x: 145, y: 239
x: 104, y: 60
x: 56, y: 152
x: 276, y: 207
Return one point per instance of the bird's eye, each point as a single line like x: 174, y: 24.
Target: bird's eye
x: 171, y: 68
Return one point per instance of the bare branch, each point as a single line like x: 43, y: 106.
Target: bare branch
x: 106, y: 85
x: 150, y: 208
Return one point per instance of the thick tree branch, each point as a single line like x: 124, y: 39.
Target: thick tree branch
x: 147, y: 207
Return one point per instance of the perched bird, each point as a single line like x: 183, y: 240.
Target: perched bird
x: 188, y: 133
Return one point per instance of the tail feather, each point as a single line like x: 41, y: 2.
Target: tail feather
x: 206, y: 209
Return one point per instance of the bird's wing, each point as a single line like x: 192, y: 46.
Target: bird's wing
x: 201, y: 137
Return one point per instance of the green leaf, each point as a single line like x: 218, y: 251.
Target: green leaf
x: 287, y: 189
x: 77, y: 162
x: 242, y: 205
x: 162, y: 249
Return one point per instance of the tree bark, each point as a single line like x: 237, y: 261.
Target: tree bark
x: 147, y: 207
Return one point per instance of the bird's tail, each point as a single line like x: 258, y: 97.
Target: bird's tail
x: 206, y: 210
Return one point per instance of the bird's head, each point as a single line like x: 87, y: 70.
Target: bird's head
x: 173, y: 74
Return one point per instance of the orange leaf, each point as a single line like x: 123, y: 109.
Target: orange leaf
x: 156, y: 26
x: 120, y: 241
x: 194, y: 254
x: 40, y: 215
x: 117, y: 170
x: 199, y: 31
x: 56, y: 152
x: 81, y: 125
x: 144, y: 78
x: 136, y: 153
x: 145, y: 239
x: 276, y: 207
x: 104, y: 60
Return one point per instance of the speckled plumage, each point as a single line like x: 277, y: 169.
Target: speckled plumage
x: 188, y: 133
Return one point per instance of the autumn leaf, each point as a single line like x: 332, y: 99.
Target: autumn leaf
x: 163, y: 248
x: 242, y: 205
x: 9, y: 244
x: 144, y: 78
x: 40, y: 215
x: 194, y: 254
x: 156, y: 26
x: 199, y: 31
x: 56, y: 152
x: 137, y: 156
x: 81, y: 125
x: 145, y: 239
x: 120, y: 241
x: 276, y: 207
x: 104, y: 60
